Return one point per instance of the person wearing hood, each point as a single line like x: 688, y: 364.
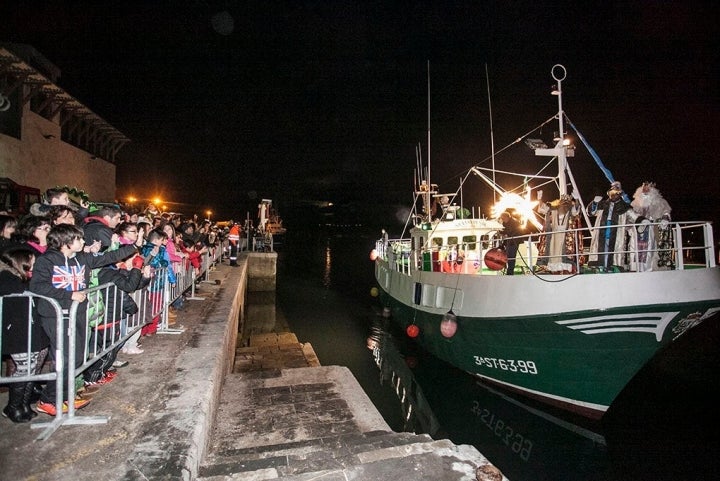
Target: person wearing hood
x: 16, y: 264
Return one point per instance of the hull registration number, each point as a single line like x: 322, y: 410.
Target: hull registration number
x: 512, y: 365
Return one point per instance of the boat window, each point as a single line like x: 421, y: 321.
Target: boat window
x: 452, y: 241
x: 485, y: 241
x: 428, y: 295
x: 469, y: 242
x: 436, y: 242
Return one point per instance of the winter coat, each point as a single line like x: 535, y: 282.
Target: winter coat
x: 15, y: 315
x: 158, y: 262
x: 96, y: 228
x: 57, y: 276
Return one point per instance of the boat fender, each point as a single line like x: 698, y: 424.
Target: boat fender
x: 412, y: 331
x: 374, y: 291
x: 373, y: 255
x: 496, y: 259
x: 448, y: 325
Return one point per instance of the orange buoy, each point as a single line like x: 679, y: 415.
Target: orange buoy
x: 412, y: 331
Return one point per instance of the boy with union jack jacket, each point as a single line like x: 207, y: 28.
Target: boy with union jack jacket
x: 63, y: 273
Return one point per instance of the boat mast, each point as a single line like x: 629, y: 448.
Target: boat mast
x: 428, y: 118
x: 425, y: 186
x: 492, y: 136
x: 558, y: 73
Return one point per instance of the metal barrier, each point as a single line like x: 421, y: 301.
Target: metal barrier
x: 54, y: 376
x: 106, y: 333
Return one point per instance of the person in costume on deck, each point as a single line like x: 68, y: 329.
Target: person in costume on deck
x: 559, y: 248
x: 613, y: 214
x: 654, y: 242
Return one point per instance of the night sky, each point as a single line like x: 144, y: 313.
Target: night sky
x: 226, y: 102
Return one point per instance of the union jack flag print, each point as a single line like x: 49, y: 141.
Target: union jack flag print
x: 70, y: 278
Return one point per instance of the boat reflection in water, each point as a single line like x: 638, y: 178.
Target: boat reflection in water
x: 530, y: 441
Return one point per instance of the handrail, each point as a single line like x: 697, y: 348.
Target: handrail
x: 692, y: 247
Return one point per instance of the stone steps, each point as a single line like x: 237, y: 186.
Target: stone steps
x: 283, y: 416
x: 329, y: 454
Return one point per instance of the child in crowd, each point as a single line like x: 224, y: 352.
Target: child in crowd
x: 33, y: 231
x: 156, y: 256
x: 128, y: 276
x: 62, y: 273
x: 132, y: 233
x: 62, y: 214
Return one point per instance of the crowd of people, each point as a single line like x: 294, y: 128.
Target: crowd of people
x: 61, y: 249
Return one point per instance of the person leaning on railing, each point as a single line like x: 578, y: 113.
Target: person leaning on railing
x: 63, y: 273
x: 127, y: 276
x: 16, y: 264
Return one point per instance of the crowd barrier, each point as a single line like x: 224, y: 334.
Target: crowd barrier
x: 105, y: 330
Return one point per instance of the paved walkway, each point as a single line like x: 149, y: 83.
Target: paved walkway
x: 278, y: 414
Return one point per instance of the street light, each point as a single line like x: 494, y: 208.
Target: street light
x: 209, y: 213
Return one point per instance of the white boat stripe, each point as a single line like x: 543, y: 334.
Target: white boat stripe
x: 613, y: 323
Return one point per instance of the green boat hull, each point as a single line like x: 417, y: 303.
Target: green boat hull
x: 575, y: 365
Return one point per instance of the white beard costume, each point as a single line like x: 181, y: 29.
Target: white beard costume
x: 654, y: 236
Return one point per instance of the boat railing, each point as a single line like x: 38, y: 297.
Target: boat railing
x: 685, y: 245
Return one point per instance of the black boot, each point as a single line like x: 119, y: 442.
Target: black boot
x: 36, y: 392
x: 14, y: 409
x: 28, y: 396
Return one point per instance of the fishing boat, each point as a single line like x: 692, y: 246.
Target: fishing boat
x: 565, y: 329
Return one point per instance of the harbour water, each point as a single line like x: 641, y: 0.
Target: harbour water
x: 662, y: 427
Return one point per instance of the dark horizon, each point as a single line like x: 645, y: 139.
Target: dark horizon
x: 327, y: 102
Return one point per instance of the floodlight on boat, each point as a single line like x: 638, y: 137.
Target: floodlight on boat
x: 555, y: 90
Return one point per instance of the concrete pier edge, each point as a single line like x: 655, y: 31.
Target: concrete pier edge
x: 198, y: 382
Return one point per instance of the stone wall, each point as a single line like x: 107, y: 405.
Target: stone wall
x: 41, y: 159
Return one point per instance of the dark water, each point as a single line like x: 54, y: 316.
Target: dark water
x: 662, y: 427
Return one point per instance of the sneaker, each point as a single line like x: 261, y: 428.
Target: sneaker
x: 119, y: 363
x: 49, y: 408
x: 106, y: 379
x: 132, y: 350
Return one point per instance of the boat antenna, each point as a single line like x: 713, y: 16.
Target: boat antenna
x: 559, y: 151
x: 492, y: 136
x: 428, y: 123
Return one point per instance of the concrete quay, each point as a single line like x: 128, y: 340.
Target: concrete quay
x: 213, y: 403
